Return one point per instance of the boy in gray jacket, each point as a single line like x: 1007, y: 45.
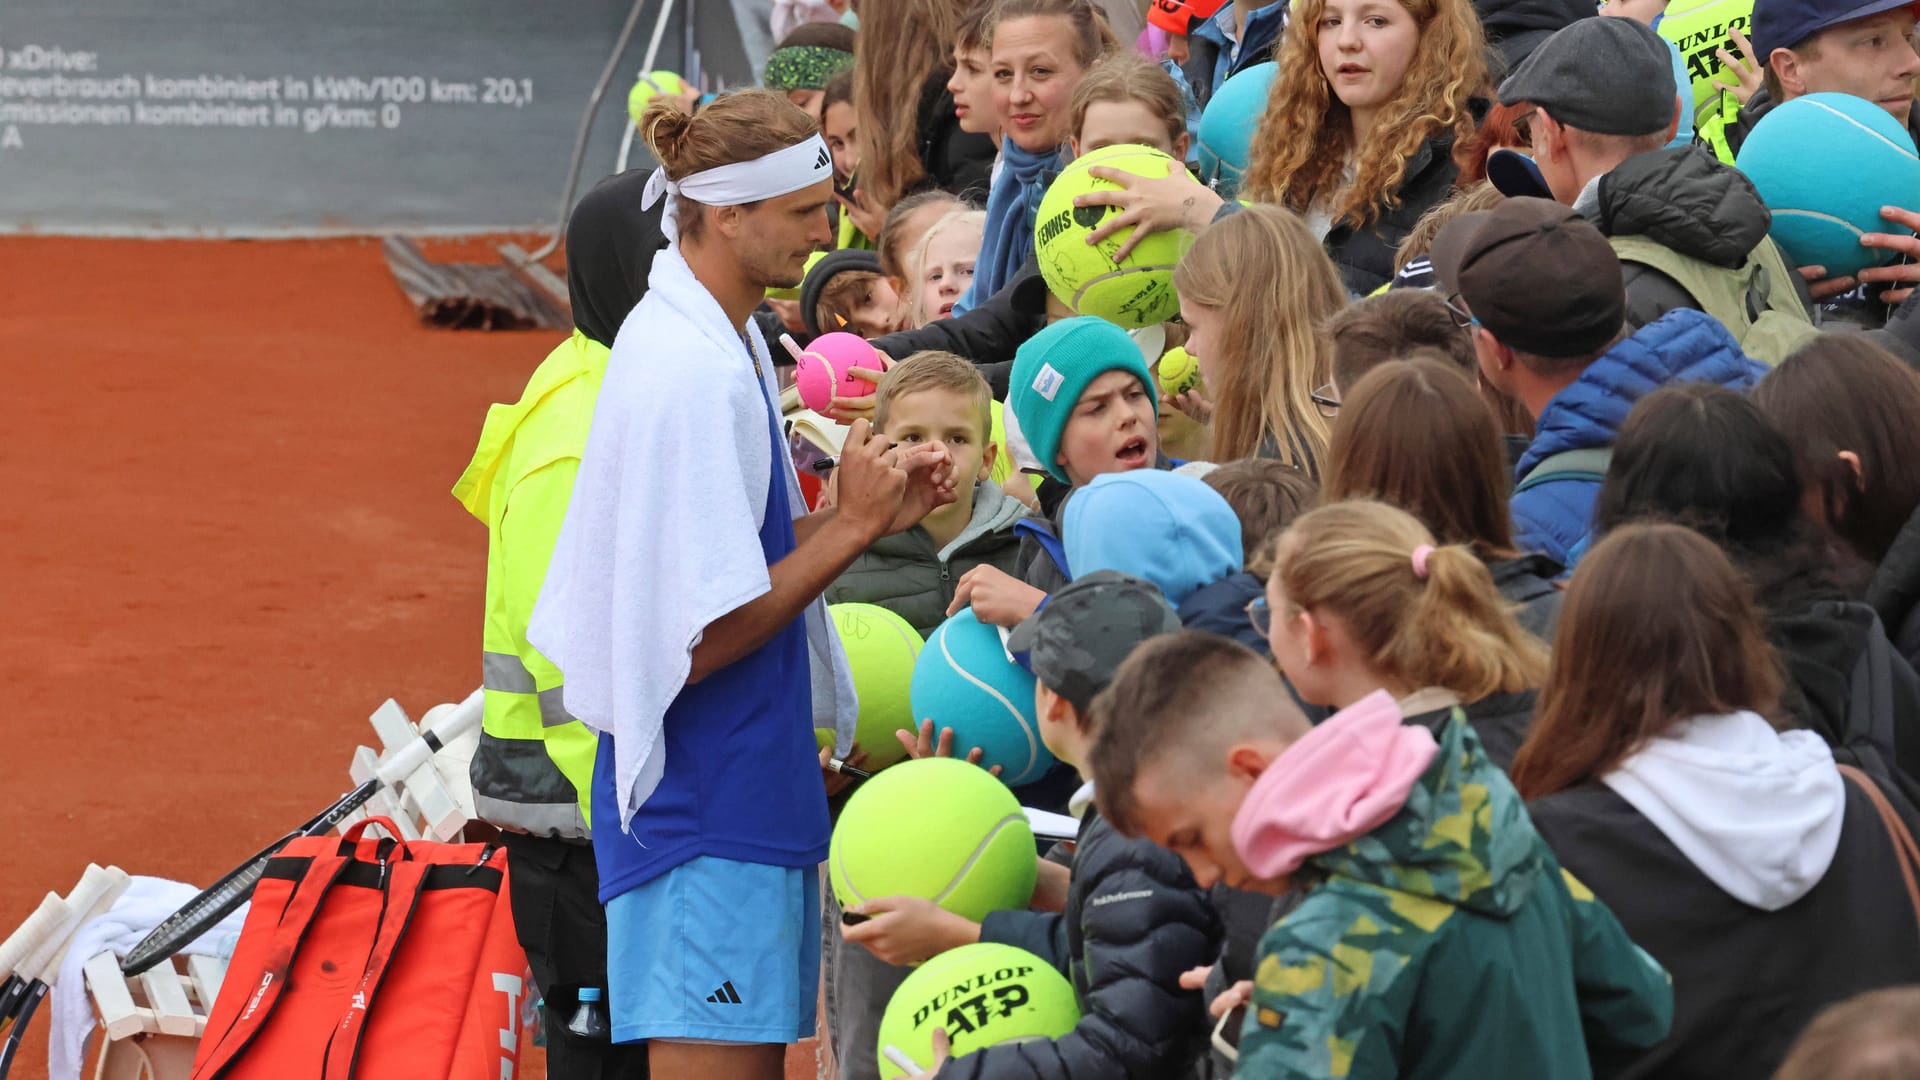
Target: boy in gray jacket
x: 937, y: 397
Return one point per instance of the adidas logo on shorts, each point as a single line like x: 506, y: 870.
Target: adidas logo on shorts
x: 726, y: 995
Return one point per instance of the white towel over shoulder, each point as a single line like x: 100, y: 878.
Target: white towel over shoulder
x: 661, y: 536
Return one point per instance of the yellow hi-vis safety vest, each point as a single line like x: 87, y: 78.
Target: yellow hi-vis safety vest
x: 533, y: 771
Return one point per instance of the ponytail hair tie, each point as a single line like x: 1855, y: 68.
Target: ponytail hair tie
x: 1420, y: 560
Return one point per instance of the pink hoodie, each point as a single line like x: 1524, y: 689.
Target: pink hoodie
x: 1341, y: 781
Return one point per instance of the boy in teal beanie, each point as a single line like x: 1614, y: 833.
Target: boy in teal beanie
x: 1085, y: 402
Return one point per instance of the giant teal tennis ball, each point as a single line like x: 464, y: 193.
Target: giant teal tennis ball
x: 650, y: 85
x: 1138, y: 290
x: 1225, y: 135
x: 881, y: 648
x: 983, y: 995
x: 939, y: 829
x: 966, y: 681
x: 1825, y: 164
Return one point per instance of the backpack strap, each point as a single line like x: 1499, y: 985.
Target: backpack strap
x: 316, y: 879
x: 1049, y: 543
x: 1588, y: 463
x: 402, y: 881
x: 1905, y: 852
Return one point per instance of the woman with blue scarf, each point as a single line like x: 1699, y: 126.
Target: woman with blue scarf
x: 1041, y: 48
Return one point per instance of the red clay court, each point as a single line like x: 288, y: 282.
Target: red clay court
x: 228, y: 538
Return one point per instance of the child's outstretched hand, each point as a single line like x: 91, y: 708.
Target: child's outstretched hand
x: 908, y: 929
x: 837, y: 781
x: 997, y: 597
x: 846, y: 410
x: 1233, y: 997
x: 942, y: 1051
x: 922, y: 744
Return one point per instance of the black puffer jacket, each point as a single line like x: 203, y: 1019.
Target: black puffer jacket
x: 1686, y: 200
x: 1894, y: 591
x: 1134, y: 921
x: 986, y: 335
x: 1364, y: 256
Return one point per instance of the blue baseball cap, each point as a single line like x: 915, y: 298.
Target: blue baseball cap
x: 1513, y: 173
x: 1782, y: 24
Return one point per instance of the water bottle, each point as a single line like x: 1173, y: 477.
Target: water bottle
x: 589, y: 1019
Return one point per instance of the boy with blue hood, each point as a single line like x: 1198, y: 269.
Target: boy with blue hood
x: 1172, y: 530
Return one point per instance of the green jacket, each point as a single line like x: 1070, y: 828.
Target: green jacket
x: 908, y: 576
x: 1449, y: 943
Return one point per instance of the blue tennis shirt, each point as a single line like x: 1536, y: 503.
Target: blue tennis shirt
x: 742, y: 772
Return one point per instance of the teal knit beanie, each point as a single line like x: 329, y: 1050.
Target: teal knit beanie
x: 1053, y: 368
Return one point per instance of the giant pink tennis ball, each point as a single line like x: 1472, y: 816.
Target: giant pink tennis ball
x: 826, y: 368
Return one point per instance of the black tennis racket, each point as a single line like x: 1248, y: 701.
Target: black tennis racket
x: 219, y: 900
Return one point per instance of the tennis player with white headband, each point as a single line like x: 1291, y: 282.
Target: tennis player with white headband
x: 683, y: 606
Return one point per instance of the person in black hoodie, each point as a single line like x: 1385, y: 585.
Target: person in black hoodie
x: 1706, y: 456
x: 1416, y: 434
x: 1733, y: 852
x: 1134, y: 919
x: 1847, y: 407
x: 1359, y: 129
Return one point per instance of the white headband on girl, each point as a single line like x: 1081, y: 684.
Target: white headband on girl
x: 780, y: 173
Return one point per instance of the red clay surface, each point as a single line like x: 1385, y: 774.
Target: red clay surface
x: 227, y: 538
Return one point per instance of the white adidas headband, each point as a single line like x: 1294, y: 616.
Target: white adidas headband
x: 780, y: 173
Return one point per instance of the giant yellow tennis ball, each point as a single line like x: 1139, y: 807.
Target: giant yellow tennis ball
x: 1138, y: 290
x: 1178, y: 372
x: 649, y: 85
x: 936, y: 828
x: 983, y: 995
x: 881, y: 648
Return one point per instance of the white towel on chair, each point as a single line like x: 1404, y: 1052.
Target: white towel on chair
x: 661, y: 536
x: 141, y: 908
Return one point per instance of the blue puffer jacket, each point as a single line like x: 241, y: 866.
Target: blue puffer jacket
x: 1682, y: 346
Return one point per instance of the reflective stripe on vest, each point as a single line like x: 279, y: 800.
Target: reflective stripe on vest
x: 504, y: 672
x: 517, y: 786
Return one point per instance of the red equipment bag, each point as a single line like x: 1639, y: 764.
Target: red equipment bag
x: 372, y: 959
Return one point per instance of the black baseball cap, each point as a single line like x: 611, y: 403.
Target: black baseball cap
x: 1537, y: 275
x: 1086, y: 630
x: 1782, y: 24
x: 1604, y: 75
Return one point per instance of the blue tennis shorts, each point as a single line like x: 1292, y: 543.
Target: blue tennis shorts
x: 716, y: 951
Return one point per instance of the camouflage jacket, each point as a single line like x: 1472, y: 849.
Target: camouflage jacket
x: 1448, y: 943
